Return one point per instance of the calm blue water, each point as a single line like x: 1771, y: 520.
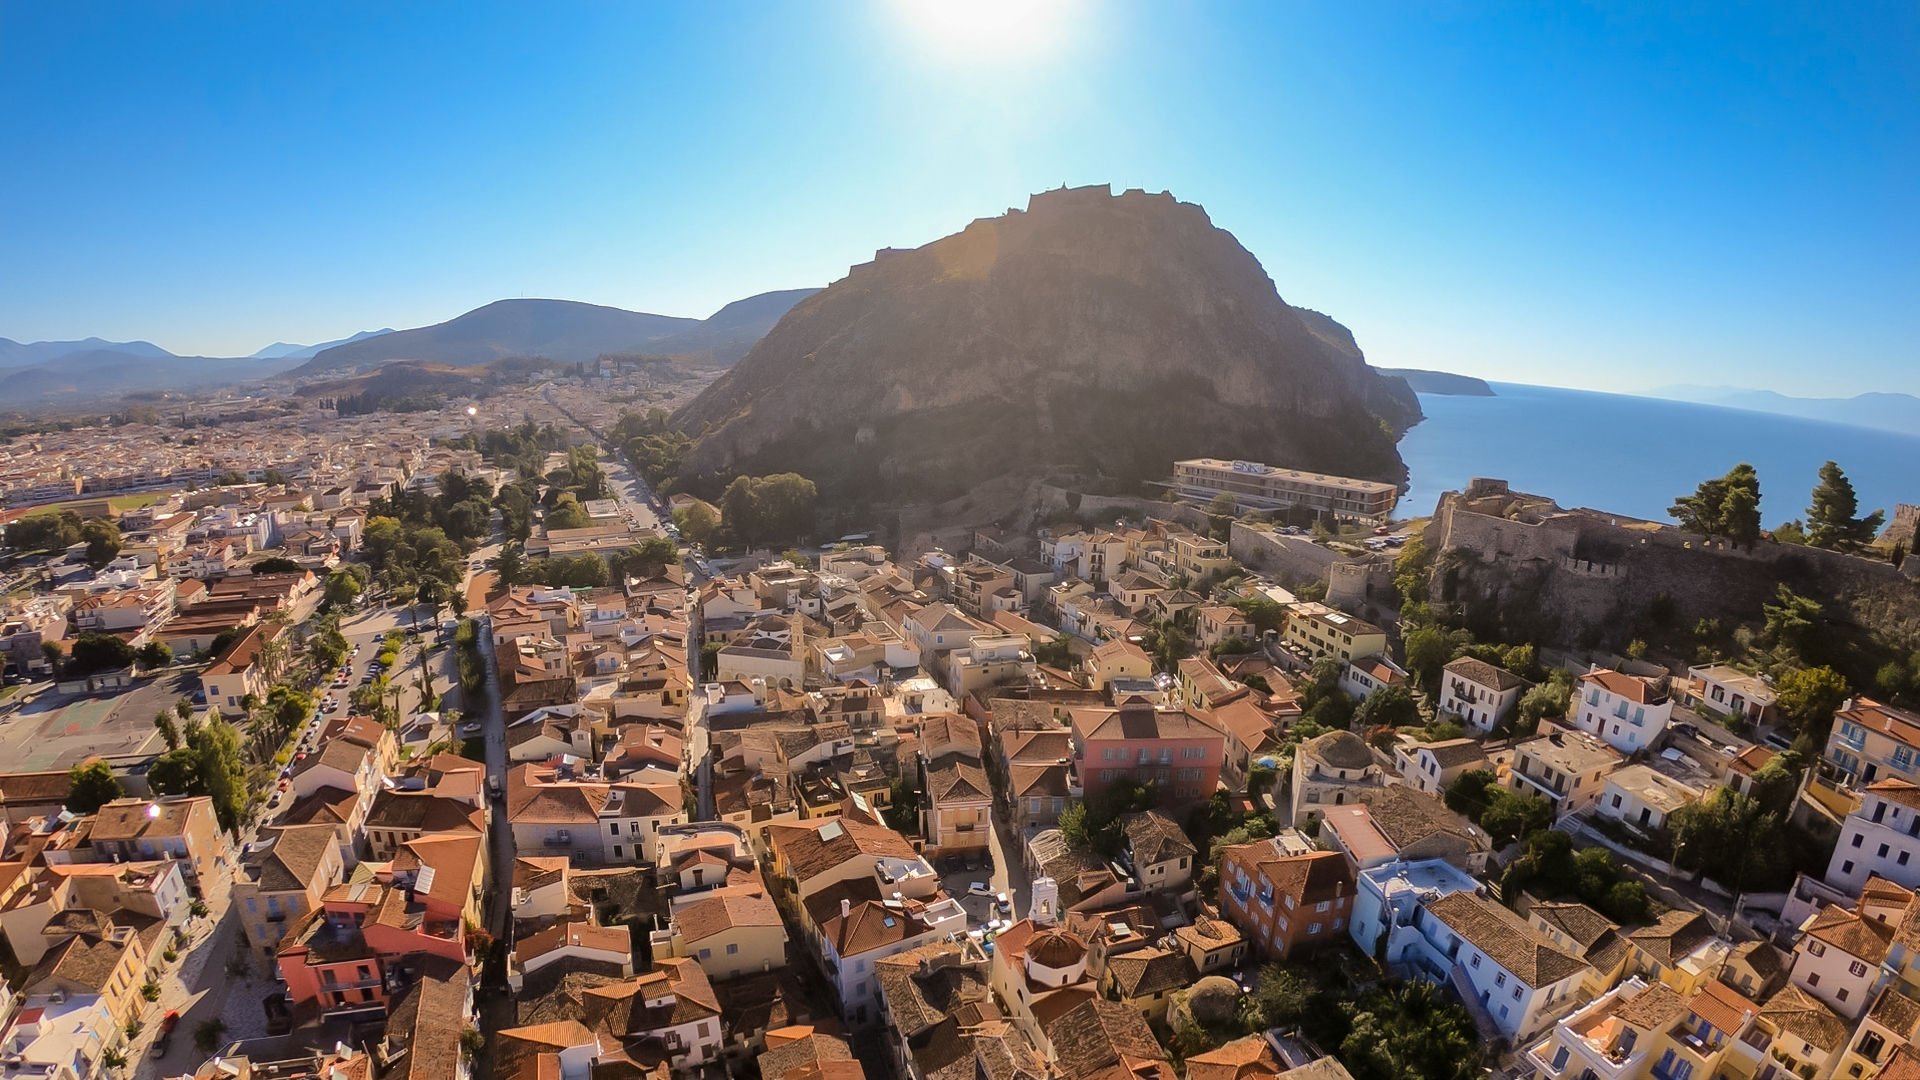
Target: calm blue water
x: 1633, y: 455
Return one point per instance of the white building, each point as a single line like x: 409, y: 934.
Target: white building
x: 1881, y: 837
x: 1386, y: 899
x: 1567, y: 768
x: 1727, y: 691
x: 1838, y: 956
x: 1513, y: 980
x: 863, y: 933
x: 1479, y: 693
x: 1626, y: 711
x: 1431, y: 767
x: 1643, y: 798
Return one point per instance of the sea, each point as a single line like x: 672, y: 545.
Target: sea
x: 1635, y: 455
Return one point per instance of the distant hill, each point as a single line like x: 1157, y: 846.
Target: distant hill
x: 1441, y: 382
x: 1090, y: 336
x: 1881, y: 411
x: 564, y: 331
x: 18, y: 354
x: 102, y: 374
x: 281, y: 350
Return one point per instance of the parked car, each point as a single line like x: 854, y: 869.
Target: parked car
x: 1684, y: 728
x: 980, y: 888
x: 1003, y: 904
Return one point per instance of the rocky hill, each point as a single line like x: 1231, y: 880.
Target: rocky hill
x: 1089, y: 338
x: 565, y: 331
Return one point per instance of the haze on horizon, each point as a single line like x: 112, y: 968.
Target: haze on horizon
x: 1610, y: 199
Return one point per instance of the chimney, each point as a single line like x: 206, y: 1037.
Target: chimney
x: 846, y: 907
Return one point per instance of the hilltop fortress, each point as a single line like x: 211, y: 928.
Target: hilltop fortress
x: 1522, y: 566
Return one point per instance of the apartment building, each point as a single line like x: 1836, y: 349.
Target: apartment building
x: 1284, y: 902
x: 1320, y: 631
x: 1881, y: 838
x: 1567, y: 768
x: 1178, y: 750
x: 1480, y: 694
x: 1257, y: 486
x: 1626, y: 711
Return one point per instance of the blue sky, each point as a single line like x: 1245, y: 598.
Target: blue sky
x: 1613, y: 197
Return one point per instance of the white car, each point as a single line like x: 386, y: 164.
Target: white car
x: 980, y: 888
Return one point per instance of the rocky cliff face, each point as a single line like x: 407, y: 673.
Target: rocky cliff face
x: 1090, y: 338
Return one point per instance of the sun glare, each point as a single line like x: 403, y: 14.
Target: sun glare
x: 989, y: 31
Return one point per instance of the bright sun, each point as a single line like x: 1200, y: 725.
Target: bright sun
x: 989, y: 31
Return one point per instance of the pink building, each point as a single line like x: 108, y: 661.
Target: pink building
x: 1179, y: 751
x: 340, y: 956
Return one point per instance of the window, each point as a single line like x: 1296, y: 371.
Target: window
x: 1843, y: 995
x: 1813, y: 979
x: 1857, y: 838
x: 1313, y: 928
x: 1815, y: 947
x: 1856, y: 969
x: 1846, y: 867
x: 1475, y: 962
x: 733, y: 950
x: 1321, y: 906
x: 1616, y: 802
x: 1500, y: 979
x: 706, y: 954
x: 1883, y: 851
x: 614, y: 828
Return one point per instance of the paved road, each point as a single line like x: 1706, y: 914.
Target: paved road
x: 500, y: 835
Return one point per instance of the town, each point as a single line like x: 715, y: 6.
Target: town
x: 441, y: 744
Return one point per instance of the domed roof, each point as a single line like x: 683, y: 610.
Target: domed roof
x: 1056, y: 949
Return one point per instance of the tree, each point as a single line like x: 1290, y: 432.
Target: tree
x: 769, y: 509
x: 45, y: 532
x: 1073, y: 827
x: 208, y: 763
x: 1263, y: 612
x: 276, y: 564
x: 511, y: 564
x: 1411, y: 1031
x: 1510, y: 815
x: 346, y: 583
x: 1728, y: 506
x: 1281, y: 997
x: 102, y: 538
x: 567, y: 513
x: 1790, y: 621
x: 1389, y: 706
x: 93, y: 786
x: 1832, y: 520
x: 1549, y: 699
x: 698, y: 524
x: 169, y: 729
x: 1429, y: 649
x: 1808, y: 697
x: 93, y: 652
x: 155, y: 654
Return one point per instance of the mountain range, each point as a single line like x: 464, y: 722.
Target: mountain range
x: 1091, y: 339
x: 281, y: 350
x: 1881, y: 411
x: 565, y: 331
x: 91, y: 370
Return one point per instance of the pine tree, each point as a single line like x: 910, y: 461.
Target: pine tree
x: 1830, y: 520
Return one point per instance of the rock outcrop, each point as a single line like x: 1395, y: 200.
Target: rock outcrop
x: 1090, y: 338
